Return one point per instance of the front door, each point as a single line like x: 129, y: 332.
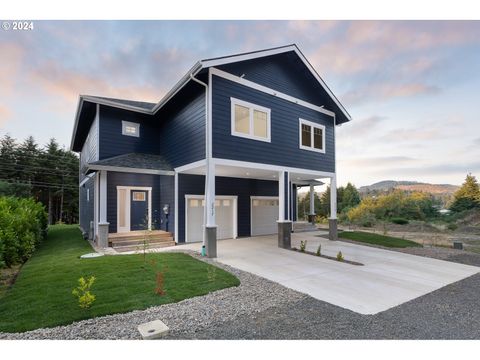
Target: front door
x: 138, y: 210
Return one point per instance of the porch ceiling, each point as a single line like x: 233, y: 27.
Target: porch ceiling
x: 252, y: 173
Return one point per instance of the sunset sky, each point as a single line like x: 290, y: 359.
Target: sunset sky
x: 412, y: 88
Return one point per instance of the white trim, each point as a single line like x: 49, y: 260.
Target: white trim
x: 88, y: 195
x: 190, y: 166
x: 270, y: 91
x: 130, y: 170
x: 288, y: 196
x: 128, y: 205
x: 96, y: 205
x: 175, y: 216
x: 134, y: 125
x: 251, y: 207
x: 87, y: 177
x: 248, y: 56
x: 219, y: 197
x: 251, y: 108
x: 281, y: 196
x: 312, y: 125
x: 252, y: 165
x: 97, y: 119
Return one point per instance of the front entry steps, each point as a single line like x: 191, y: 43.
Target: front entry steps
x: 138, y: 240
x: 302, y: 226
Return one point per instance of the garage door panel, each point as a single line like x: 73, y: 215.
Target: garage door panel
x: 224, y: 217
x: 264, y: 216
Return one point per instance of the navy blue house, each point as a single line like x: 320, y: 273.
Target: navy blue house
x: 220, y: 156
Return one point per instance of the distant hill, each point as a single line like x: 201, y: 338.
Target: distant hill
x: 387, y: 185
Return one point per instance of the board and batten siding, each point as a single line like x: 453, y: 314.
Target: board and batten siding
x: 113, y: 143
x: 283, y: 150
x: 87, y: 202
x: 243, y: 188
x: 182, y: 130
x: 115, y: 179
x: 90, y: 149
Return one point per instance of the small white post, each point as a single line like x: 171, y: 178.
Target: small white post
x: 312, y: 200
x: 281, y: 196
x: 333, y: 197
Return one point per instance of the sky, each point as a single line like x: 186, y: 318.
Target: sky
x: 411, y: 87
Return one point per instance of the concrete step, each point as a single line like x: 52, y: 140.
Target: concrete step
x: 140, y: 242
x: 302, y: 226
x: 125, y: 248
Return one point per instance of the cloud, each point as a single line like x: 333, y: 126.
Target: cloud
x: 362, y: 126
x: 412, y: 134
x: 476, y: 141
x: 378, y: 161
x: 439, y: 169
x: 386, y: 91
x: 10, y: 65
x: 5, y: 115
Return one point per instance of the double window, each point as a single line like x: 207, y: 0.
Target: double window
x: 250, y: 121
x: 130, y: 129
x: 312, y: 136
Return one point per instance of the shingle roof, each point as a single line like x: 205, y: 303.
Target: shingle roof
x: 136, y: 161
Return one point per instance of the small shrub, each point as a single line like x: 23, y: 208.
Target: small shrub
x: 340, y: 256
x: 303, y: 245
x: 82, y: 292
x: 452, y: 226
x: 319, y: 250
x: 399, y: 221
x: 160, y: 281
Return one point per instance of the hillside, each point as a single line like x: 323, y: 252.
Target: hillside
x: 387, y: 185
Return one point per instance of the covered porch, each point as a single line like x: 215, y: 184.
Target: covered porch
x: 286, y: 182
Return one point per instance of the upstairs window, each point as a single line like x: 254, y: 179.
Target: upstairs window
x: 250, y: 121
x: 312, y: 136
x: 130, y: 129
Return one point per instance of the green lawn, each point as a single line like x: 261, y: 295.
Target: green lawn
x: 42, y: 295
x: 377, y: 239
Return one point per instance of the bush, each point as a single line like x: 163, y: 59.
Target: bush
x: 452, y: 226
x: 340, y: 256
x: 399, y: 221
x: 82, y: 292
x: 303, y: 245
x: 319, y: 250
x: 23, y: 225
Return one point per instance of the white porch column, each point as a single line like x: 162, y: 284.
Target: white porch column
x: 281, y: 196
x: 332, y: 222
x: 103, y: 224
x: 312, y: 200
x: 210, y: 234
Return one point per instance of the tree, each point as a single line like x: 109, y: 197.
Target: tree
x: 468, y: 196
x: 350, y: 198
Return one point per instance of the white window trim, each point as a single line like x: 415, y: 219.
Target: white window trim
x: 312, y: 125
x: 129, y: 189
x: 130, y: 124
x: 251, y: 108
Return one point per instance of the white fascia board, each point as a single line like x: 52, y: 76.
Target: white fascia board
x: 116, y: 105
x: 130, y: 170
x: 75, y: 125
x: 252, y: 165
x: 248, y: 56
x: 190, y: 166
x: 267, y: 90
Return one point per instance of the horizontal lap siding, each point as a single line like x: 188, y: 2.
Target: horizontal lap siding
x: 243, y: 188
x: 87, y: 207
x: 113, y: 143
x: 167, y: 196
x: 182, y: 131
x: 115, y: 179
x: 283, y: 150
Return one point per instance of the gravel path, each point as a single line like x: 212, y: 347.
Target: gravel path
x: 186, y: 318
x: 261, y: 309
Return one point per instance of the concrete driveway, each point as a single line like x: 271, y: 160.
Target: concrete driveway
x: 387, y: 279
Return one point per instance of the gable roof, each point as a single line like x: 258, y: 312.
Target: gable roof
x: 151, y: 108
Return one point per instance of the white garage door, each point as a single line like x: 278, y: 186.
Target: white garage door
x: 225, y: 217
x: 264, y: 215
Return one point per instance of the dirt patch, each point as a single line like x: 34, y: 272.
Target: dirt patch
x: 7, y: 278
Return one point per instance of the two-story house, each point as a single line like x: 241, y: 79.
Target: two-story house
x: 220, y: 156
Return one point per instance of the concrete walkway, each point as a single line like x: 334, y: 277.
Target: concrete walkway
x: 387, y: 279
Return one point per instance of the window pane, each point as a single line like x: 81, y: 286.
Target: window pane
x: 260, y: 123
x: 242, y: 119
x: 306, y: 135
x: 138, y: 196
x: 226, y: 202
x: 317, y: 138
x: 122, y: 194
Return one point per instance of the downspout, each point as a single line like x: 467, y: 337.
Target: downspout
x: 207, y: 154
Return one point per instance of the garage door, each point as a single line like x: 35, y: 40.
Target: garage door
x: 264, y: 215
x: 225, y: 213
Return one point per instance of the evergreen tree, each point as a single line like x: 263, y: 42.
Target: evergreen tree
x: 468, y: 196
x: 350, y: 198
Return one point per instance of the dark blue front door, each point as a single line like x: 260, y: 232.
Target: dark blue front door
x: 138, y: 210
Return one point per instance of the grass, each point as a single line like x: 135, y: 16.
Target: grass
x: 376, y: 239
x: 42, y: 294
